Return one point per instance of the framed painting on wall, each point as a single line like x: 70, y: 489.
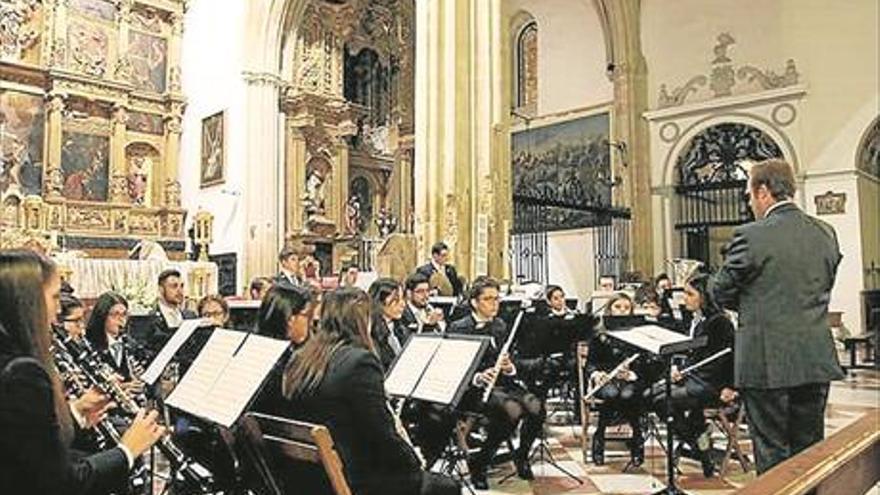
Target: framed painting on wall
x: 213, y: 163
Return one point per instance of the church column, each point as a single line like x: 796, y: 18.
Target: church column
x: 294, y: 178
x: 339, y: 186
x: 174, y: 52
x: 264, y: 183
x: 628, y: 71
x: 53, y: 179
x: 118, y: 167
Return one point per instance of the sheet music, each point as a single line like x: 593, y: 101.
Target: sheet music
x: 205, y: 370
x: 240, y: 380
x: 649, y: 337
x: 221, y: 381
x: 409, y: 366
x: 447, y: 370
x: 155, y: 369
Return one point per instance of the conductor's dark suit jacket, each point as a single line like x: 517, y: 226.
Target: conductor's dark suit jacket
x: 778, y: 274
x: 33, y: 458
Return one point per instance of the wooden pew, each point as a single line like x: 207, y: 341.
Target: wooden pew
x: 847, y: 462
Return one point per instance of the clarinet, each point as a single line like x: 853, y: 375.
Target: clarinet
x: 504, y: 350
x: 102, y: 376
x: 73, y: 377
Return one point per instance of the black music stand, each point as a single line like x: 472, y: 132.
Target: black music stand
x: 414, y: 372
x: 664, y: 343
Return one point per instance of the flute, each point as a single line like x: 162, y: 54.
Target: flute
x: 504, y: 350
x: 703, y: 362
x: 610, y: 376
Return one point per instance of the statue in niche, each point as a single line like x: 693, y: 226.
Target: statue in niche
x: 316, y: 176
x: 137, y: 179
x: 353, y: 215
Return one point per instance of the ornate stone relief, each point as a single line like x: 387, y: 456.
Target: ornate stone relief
x: 724, y: 76
x: 172, y: 193
x: 16, y: 34
x: 830, y: 203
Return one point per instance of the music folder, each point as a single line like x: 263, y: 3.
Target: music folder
x: 436, y: 368
x: 226, y: 374
x: 658, y: 340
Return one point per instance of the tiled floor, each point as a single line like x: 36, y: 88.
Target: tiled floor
x: 847, y: 402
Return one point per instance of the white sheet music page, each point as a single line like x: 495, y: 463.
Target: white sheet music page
x: 206, y: 369
x: 447, y: 370
x: 649, y: 337
x: 155, y: 369
x: 241, y: 379
x: 409, y: 366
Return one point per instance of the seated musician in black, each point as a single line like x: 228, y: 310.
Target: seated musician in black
x: 556, y: 306
x: 169, y: 313
x: 105, y: 331
x: 336, y: 380
x: 622, y: 396
x: 418, y: 314
x: 709, y: 385
x: 509, y: 401
x: 388, y: 334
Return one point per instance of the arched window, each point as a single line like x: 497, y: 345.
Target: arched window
x: 868, y: 158
x: 526, y: 67
x: 712, y: 189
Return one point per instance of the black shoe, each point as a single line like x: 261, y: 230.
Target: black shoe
x: 523, y: 469
x: 479, y: 481
x: 598, y: 450
x: 707, y: 463
x: 637, y: 451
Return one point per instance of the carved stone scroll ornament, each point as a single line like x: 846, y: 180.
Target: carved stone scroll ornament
x: 15, y: 32
x: 172, y: 193
x: 119, y: 188
x: 723, y: 75
x: 174, y: 84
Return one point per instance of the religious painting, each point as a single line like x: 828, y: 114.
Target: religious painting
x: 568, y: 163
x: 85, y: 161
x: 21, y: 142
x: 98, y: 9
x: 148, y: 55
x: 147, y: 123
x: 89, y: 45
x: 213, y: 150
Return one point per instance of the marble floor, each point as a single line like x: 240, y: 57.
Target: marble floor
x: 848, y: 400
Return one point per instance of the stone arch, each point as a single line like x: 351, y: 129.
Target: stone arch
x: 524, y: 37
x: 699, y: 126
x: 868, y: 151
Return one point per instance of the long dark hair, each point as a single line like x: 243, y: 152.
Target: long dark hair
x: 345, y: 319
x: 95, y: 332
x: 700, y: 283
x: 281, y: 302
x: 24, y: 327
x: 380, y: 290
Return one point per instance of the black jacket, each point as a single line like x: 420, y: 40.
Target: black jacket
x: 351, y: 402
x: 410, y: 323
x: 380, y: 333
x: 428, y: 270
x: 719, y: 373
x: 33, y: 458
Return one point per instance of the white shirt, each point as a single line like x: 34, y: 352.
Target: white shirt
x: 114, y: 346
x: 172, y: 314
x: 777, y: 205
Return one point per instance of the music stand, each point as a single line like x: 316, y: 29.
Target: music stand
x: 663, y: 343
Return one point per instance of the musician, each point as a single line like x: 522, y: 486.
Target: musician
x: 259, y: 287
x: 291, y: 269
x: 104, y: 332
x: 72, y: 317
x: 35, y: 418
x: 556, y: 303
x: 622, y: 396
x: 169, y: 313
x: 337, y: 380
x: 388, y: 334
x: 509, y: 402
x: 710, y: 384
x: 418, y: 315
x: 444, y: 271
x: 348, y: 275
x: 215, y: 308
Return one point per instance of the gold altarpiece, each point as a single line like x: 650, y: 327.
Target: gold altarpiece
x: 348, y: 107
x: 90, y: 122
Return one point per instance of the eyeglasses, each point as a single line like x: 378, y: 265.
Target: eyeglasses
x: 423, y: 290
x: 214, y: 314
x: 489, y: 298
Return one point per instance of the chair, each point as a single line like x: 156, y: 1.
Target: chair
x: 728, y: 420
x: 615, y: 432
x: 271, y: 438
